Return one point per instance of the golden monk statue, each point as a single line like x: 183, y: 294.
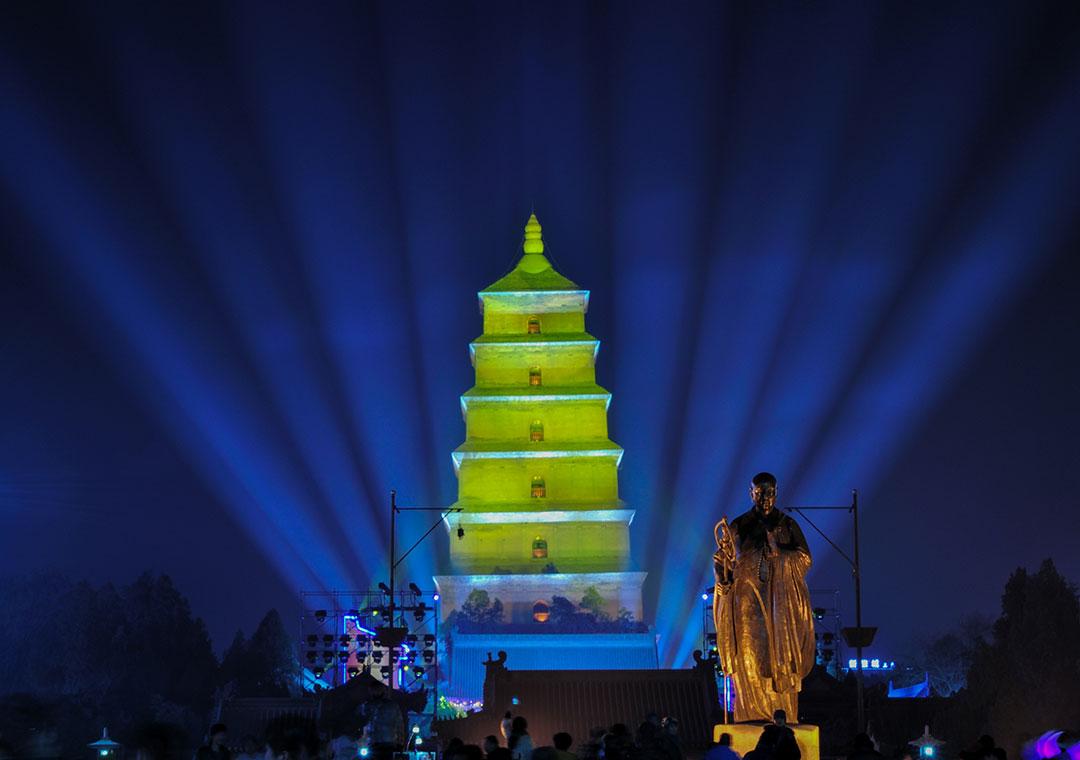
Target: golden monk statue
x: 764, y: 623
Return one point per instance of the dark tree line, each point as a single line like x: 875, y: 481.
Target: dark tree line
x: 1014, y: 679
x: 1026, y: 679
x: 75, y: 657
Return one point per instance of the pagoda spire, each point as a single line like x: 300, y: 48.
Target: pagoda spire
x: 534, y: 260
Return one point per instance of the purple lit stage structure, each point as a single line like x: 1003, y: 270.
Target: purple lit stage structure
x: 346, y: 633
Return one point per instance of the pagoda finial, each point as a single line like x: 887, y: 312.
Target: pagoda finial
x: 534, y: 243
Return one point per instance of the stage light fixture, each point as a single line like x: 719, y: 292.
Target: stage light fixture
x: 828, y: 639
x: 343, y: 656
x: 328, y: 657
x: 435, y: 597
x: 328, y: 639
x: 415, y: 589
x: 420, y: 612
x: 345, y: 639
x: 819, y: 613
x: 311, y: 655
x: 312, y: 640
x: 353, y: 672
x: 418, y: 671
x: 412, y: 640
x: 385, y: 671
x: 460, y: 532
x: 429, y: 640
x: 384, y: 588
x: 318, y: 672
x: 354, y: 613
x: 320, y: 616
x: 429, y: 656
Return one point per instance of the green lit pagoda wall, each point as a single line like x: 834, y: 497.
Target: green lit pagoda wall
x: 536, y: 416
x: 563, y: 421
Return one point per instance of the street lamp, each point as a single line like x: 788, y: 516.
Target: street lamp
x: 858, y: 637
x: 927, y: 744
x: 395, y: 635
x: 104, y: 748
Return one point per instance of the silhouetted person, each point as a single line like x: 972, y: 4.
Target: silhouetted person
x: 251, y: 751
x: 592, y: 747
x: 505, y: 725
x: 862, y: 748
x: 723, y: 750
x: 563, y: 742
x: 453, y: 748
x: 766, y: 746
x: 494, y: 750
x: 286, y: 740
x: 385, y: 725
x: 983, y: 749
x: 471, y: 752
x: 520, y: 743
x: 784, y: 746
x: 215, y: 749
x: 618, y: 743
x: 668, y: 741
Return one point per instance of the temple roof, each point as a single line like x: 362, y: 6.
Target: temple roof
x: 534, y: 271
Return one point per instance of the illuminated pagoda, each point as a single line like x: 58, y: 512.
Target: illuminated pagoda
x: 538, y: 490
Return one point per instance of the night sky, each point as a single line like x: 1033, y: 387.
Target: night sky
x: 240, y: 245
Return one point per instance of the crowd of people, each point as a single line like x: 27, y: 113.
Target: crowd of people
x: 384, y: 735
x: 654, y: 739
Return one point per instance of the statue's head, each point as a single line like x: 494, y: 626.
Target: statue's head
x: 763, y: 492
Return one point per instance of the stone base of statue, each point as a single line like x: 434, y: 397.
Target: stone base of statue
x: 744, y: 737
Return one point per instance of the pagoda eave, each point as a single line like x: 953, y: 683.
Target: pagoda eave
x: 530, y: 394
x: 463, y: 453
x: 540, y: 580
x: 478, y: 517
x: 537, y: 299
x: 514, y: 346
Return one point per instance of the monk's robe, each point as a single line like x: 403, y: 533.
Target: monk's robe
x: 764, y: 623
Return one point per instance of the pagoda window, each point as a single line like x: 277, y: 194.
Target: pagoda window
x: 539, y: 548
x: 534, y: 325
x: 539, y: 489
x: 536, y: 431
x: 541, y: 611
x: 534, y: 376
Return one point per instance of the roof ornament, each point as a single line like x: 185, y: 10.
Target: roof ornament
x: 534, y: 243
x: 534, y: 260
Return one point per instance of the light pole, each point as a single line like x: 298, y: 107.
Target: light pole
x: 393, y: 635
x: 857, y: 637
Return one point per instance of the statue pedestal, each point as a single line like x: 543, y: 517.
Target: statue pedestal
x: 744, y: 737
